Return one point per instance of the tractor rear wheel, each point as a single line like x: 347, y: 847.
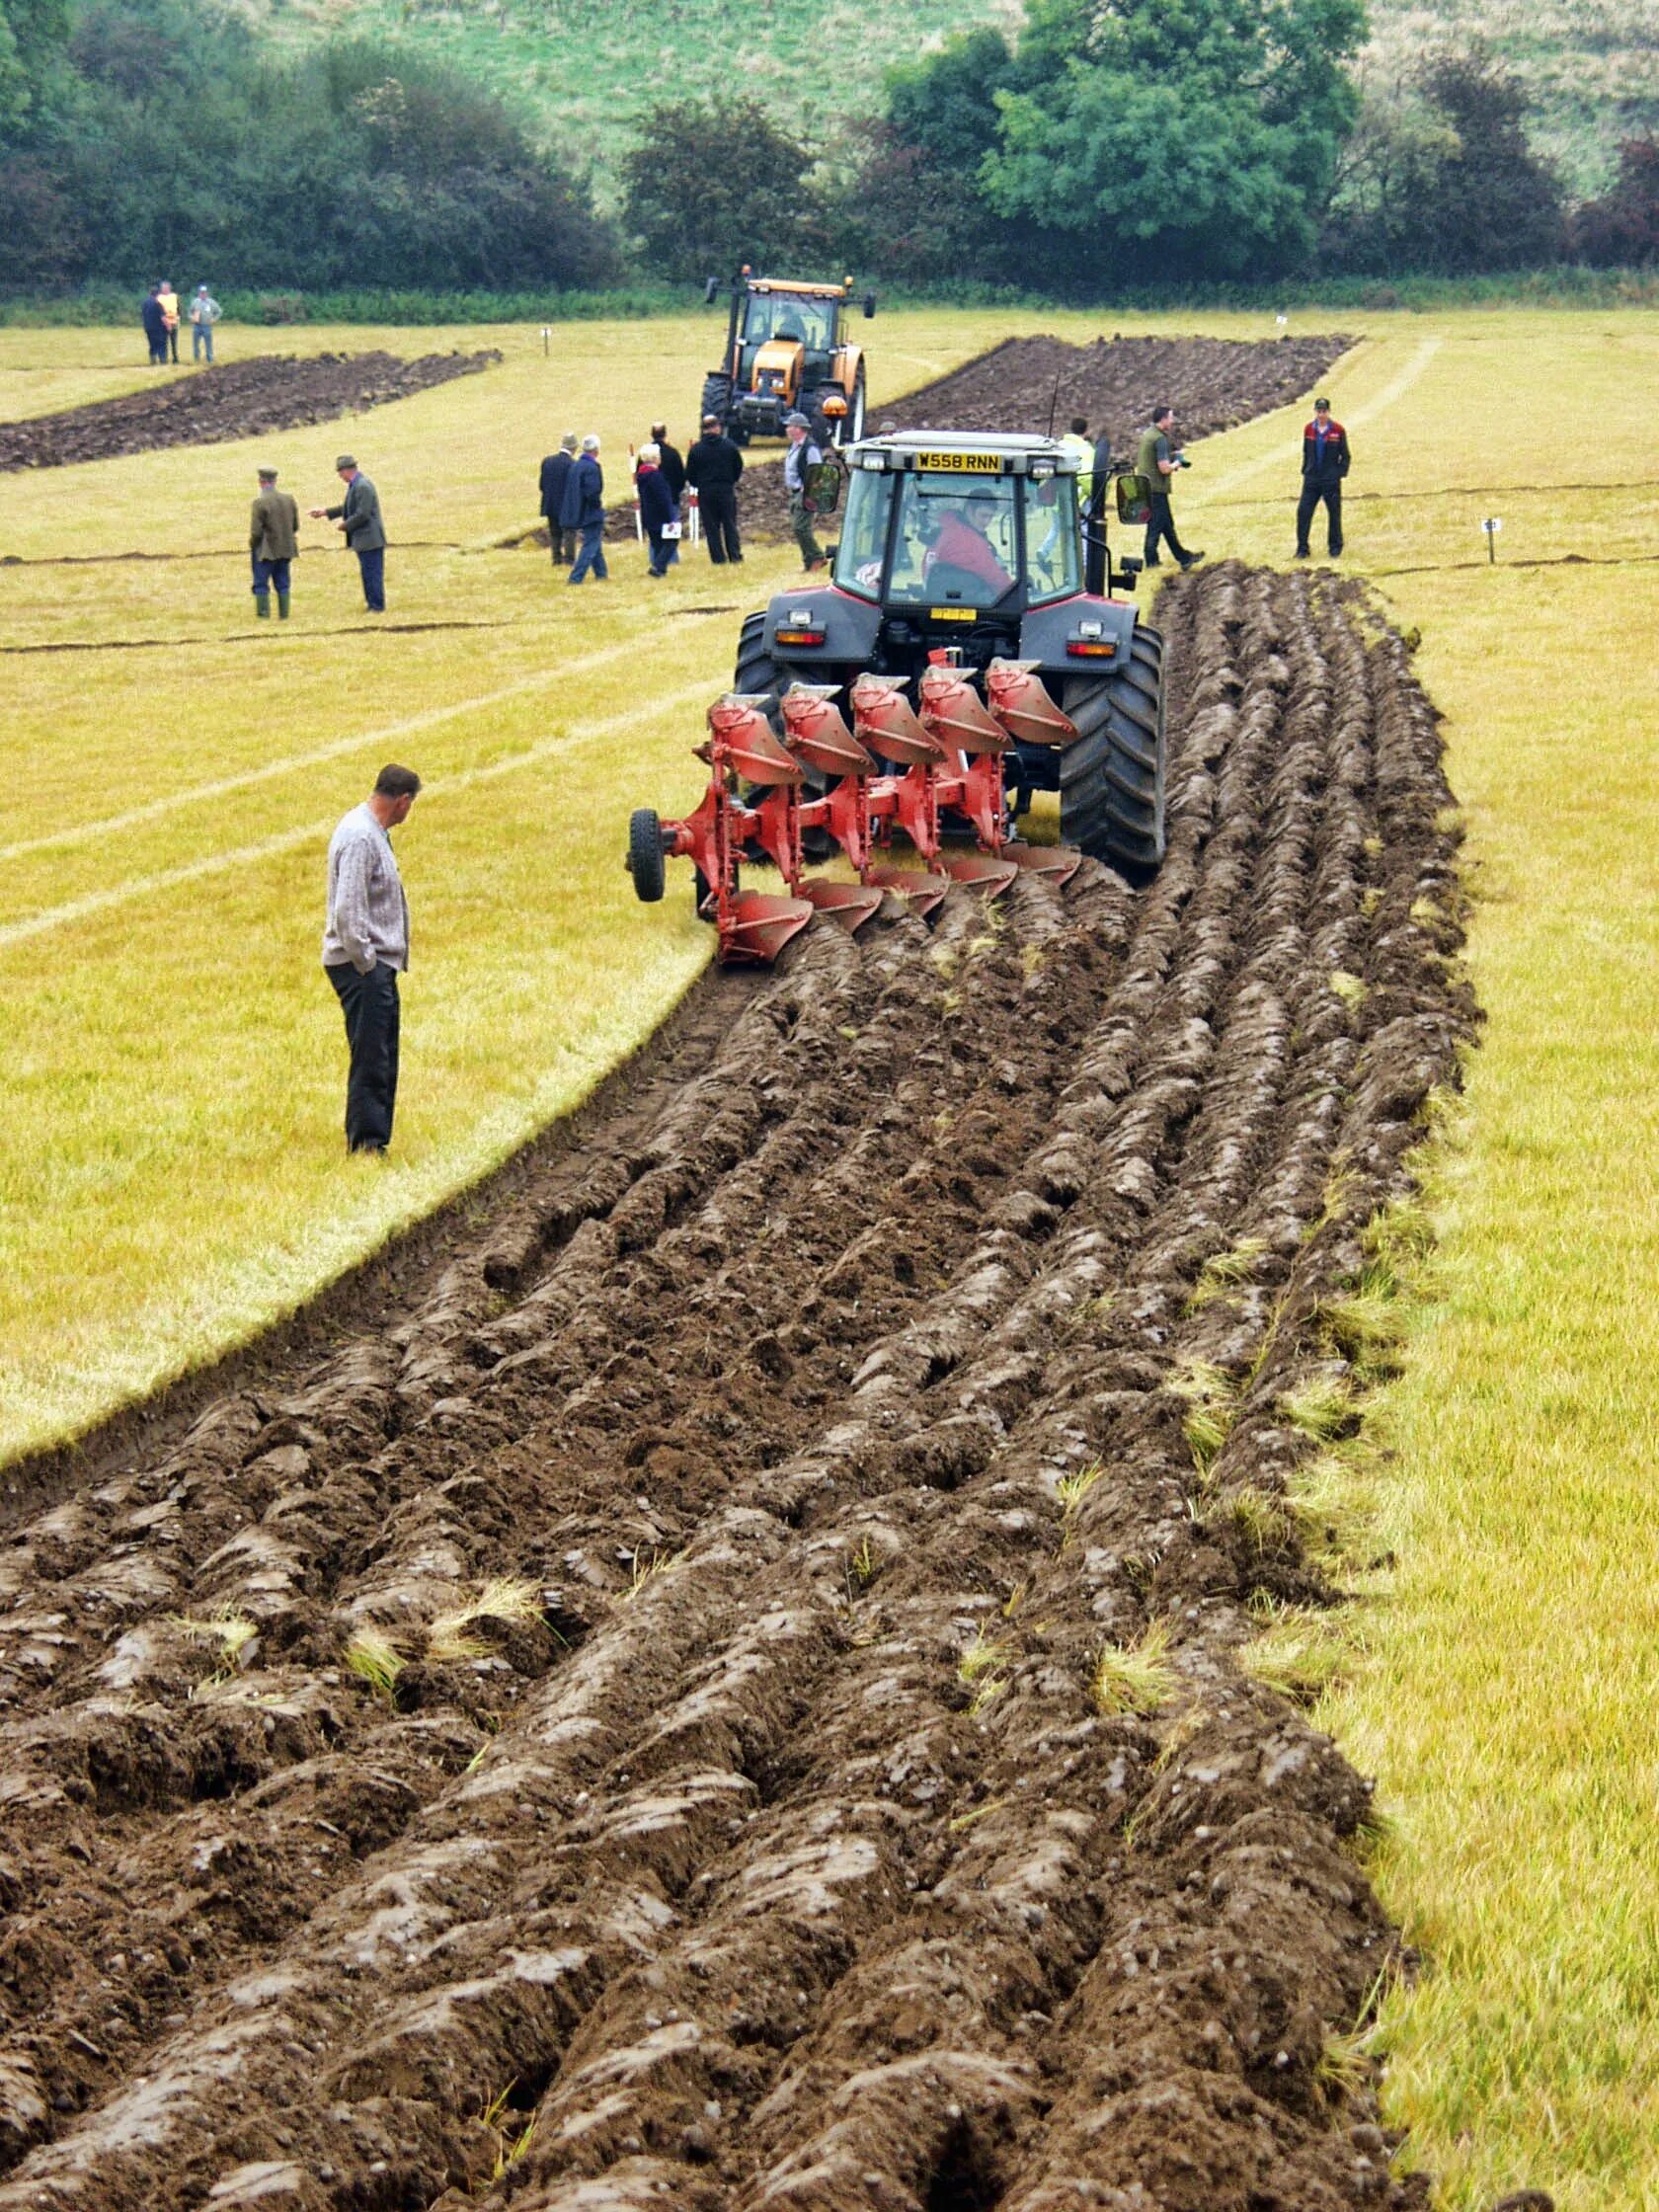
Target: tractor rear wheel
x: 645, y: 853
x: 1111, y: 778
x: 717, y: 397
x: 757, y: 672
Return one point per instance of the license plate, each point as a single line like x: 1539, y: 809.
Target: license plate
x: 961, y: 464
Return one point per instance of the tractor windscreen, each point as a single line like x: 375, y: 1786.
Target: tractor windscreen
x: 863, y: 546
x: 955, y: 539
x: 1051, y: 538
x: 808, y: 322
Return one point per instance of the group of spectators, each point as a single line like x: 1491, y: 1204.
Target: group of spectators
x: 160, y: 316
x: 572, y: 488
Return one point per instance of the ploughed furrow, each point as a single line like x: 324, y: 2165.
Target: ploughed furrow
x: 734, y: 1700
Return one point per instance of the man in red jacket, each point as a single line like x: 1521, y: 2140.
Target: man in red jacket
x: 964, y: 543
x: 1324, y: 463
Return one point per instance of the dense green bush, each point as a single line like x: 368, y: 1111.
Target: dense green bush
x: 161, y: 139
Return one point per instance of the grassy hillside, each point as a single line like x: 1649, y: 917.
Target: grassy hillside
x: 591, y: 68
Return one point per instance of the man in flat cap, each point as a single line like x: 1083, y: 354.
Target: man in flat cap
x: 803, y: 455
x: 358, y: 516
x: 273, y: 544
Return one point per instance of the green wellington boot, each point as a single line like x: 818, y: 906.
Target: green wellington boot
x: 282, y: 605
x: 262, y: 605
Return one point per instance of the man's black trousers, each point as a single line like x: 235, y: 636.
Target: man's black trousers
x: 563, y: 544
x: 1160, y: 525
x: 370, y: 1005
x: 719, y: 505
x: 1308, y: 506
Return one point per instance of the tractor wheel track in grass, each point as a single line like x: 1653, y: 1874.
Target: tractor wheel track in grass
x: 822, y: 1393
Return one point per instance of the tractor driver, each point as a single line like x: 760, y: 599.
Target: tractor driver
x: 964, y: 541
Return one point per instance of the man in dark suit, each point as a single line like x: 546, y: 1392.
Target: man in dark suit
x: 1325, y: 464
x: 712, y: 468
x: 358, y: 516
x: 554, y: 474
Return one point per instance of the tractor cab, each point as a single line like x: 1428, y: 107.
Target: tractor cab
x: 971, y: 544
x: 787, y: 348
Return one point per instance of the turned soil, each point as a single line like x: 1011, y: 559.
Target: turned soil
x: 1027, y: 384
x: 240, y: 399
x: 827, y: 1393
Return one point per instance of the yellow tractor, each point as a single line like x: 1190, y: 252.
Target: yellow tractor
x: 786, y: 350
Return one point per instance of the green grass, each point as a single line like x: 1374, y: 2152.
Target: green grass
x: 1506, y: 1687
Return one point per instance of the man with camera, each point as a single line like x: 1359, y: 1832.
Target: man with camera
x: 1157, y: 460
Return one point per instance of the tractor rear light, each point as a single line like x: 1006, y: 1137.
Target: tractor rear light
x: 1091, y: 649
x: 799, y: 637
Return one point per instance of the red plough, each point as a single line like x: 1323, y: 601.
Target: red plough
x: 893, y: 771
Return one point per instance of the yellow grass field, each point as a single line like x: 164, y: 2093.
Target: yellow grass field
x: 172, y: 1174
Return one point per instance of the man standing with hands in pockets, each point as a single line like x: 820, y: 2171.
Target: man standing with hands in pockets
x: 365, y: 947
x: 359, y: 516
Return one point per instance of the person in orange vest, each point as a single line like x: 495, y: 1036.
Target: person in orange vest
x: 169, y: 299
x: 1325, y: 464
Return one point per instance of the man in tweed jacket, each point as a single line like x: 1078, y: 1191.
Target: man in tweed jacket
x: 365, y: 947
x: 359, y: 516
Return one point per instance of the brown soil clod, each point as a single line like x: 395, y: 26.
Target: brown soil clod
x: 238, y: 399
x: 821, y: 1430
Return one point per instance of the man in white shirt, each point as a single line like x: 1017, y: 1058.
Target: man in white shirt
x: 365, y: 947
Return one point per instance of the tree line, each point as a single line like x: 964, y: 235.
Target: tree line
x: 1144, y: 144
x: 1110, y: 145
x: 142, y: 140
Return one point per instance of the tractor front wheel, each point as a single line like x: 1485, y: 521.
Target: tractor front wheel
x: 645, y: 853
x: 1112, y: 776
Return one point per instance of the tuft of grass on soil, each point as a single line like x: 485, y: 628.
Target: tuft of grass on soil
x: 1211, y: 1398
x: 1299, y: 1652
x: 646, y: 1568
x: 1226, y: 1271
x: 1134, y: 1678
x: 376, y: 1661
x: 230, y: 1629
x: 1072, y: 1489
x: 504, y: 1599
x: 1321, y: 1407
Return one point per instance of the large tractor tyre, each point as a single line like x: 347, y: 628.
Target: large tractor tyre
x: 644, y: 854
x: 717, y: 398
x: 1112, y: 776
x: 757, y: 673
x: 760, y: 675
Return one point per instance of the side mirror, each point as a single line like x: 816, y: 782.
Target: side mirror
x: 869, y: 305
x: 711, y: 291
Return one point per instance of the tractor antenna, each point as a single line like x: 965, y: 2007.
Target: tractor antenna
x: 1053, y: 402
